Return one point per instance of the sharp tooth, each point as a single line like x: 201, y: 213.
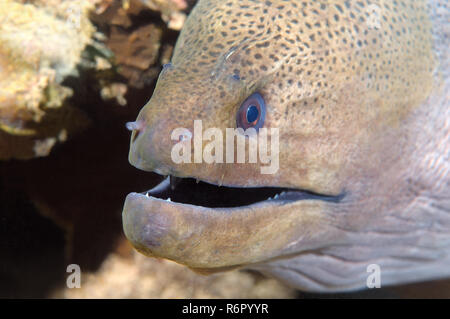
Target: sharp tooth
x: 276, y: 196
x: 146, y: 194
x: 169, y: 199
x: 197, y: 180
x: 174, y: 181
x: 270, y: 198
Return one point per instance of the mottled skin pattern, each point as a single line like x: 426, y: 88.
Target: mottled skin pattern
x: 359, y: 91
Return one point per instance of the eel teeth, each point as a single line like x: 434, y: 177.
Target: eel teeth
x: 174, y: 181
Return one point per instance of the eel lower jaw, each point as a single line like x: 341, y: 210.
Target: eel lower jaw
x: 205, y: 226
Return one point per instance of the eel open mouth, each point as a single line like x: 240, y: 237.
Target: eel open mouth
x: 211, y: 228
x: 199, y: 193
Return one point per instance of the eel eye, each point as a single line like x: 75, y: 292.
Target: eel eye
x: 252, y: 112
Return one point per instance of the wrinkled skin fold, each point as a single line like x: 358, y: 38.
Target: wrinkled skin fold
x: 360, y: 94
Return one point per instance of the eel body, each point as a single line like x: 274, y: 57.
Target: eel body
x: 359, y: 93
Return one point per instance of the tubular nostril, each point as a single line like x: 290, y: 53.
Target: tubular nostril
x: 131, y: 126
x: 136, y: 127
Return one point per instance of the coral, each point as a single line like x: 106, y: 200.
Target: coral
x: 171, y: 11
x: 137, y: 276
x: 45, y: 42
x: 136, y: 53
x: 140, y: 43
x: 40, y: 45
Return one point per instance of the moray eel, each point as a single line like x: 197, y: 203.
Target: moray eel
x: 359, y: 93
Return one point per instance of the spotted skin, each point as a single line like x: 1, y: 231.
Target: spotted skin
x: 358, y: 90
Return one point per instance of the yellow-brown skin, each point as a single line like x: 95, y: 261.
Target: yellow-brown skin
x: 339, y: 78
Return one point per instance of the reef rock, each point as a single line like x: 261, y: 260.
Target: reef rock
x: 40, y: 45
x: 136, y: 276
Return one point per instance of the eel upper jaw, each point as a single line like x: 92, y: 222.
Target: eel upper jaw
x: 212, y: 228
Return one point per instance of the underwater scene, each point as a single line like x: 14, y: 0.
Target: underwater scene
x: 224, y: 149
